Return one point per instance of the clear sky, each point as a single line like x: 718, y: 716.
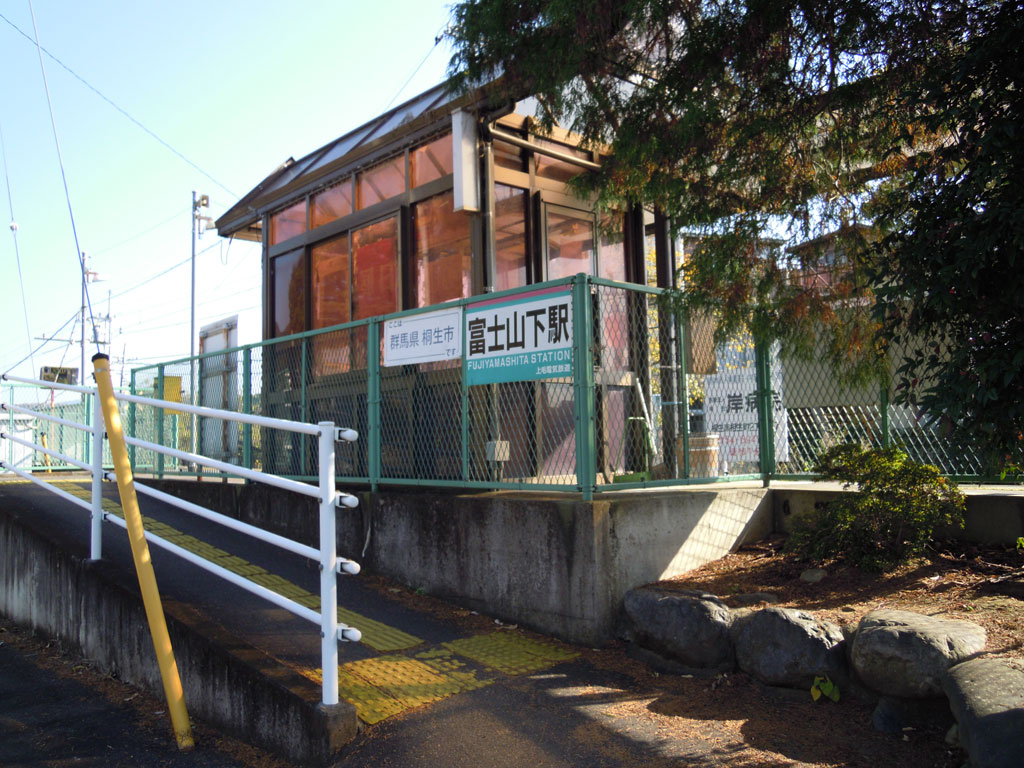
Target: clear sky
x: 235, y: 87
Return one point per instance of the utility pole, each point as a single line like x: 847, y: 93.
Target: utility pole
x: 198, y: 201
x: 88, y: 276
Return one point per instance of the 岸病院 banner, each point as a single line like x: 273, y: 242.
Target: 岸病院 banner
x: 520, y: 339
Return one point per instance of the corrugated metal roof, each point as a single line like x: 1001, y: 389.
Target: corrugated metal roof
x: 275, y: 189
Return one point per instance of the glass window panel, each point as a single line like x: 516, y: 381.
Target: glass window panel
x: 570, y: 244
x: 330, y: 282
x: 509, y: 237
x: 380, y: 182
x: 613, y: 247
x: 558, y: 170
x: 332, y: 203
x: 375, y: 269
x: 288, y: 223
x: 431, y: 161
x: 442, y: 253
x: 508, y: 156
x: 289, y: 276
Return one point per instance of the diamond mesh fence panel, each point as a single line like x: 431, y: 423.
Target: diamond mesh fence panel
x: 668, y: 403
x: 820, y: 412
x: 722, y: 395
x: 336, y: 390
x: 72, y: 442
x: 637, y: 402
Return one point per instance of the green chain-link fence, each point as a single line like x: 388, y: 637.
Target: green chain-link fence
x: 635, y: 397
x: 70, y: 441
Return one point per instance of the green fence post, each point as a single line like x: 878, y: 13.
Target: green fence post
x: 303, y: 405
x: 884, y: 403
x: 131, y: 418
x: 160, y: 420
x: 464, y: 411
x: 373, y: 403
x: 247, y: 407
x: 765, y: 411
x: 583, y: 380
x: 684, y: 392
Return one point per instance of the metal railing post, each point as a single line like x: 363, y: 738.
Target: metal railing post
x: 96, y: 532
x: 247, y: 406
x: 373, y: 403
x: 583, y: 386
x: 328, y: 565
x: 86, y: 443
x: 10, y: 427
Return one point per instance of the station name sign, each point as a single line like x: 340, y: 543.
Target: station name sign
x: 525, y: 338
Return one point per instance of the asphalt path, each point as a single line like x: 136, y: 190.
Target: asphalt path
x: 543, y: 719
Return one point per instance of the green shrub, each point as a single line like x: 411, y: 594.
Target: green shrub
x: 892, y: 517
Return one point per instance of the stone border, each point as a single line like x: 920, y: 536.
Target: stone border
x: 920, y: 670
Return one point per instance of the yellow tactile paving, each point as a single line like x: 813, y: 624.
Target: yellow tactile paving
x: 509, y: 653
x: 382, y: 637
x: 385, y: 686
x: 376, y: 635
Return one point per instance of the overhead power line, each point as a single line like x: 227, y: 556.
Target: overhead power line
x: 171, y: 268
x: 44, y: 342
x: 64, y: 179
x: 120, y: 109
x: 137, y: 235
x: 17, y: 253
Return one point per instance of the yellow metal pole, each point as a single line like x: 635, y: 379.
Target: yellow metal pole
x: 140, y: 551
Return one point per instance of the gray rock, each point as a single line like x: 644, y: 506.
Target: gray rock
x: 788, y: 647
x: 905, y: 654
x: 690, y: 627
x: 987, y: 699
x: 813, y: 575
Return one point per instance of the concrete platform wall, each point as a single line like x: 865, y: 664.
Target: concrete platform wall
x: 557, y: 565
x: 993, y: 516
x: 53, y: 588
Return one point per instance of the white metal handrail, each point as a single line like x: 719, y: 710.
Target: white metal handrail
x: 43, y: 415
x: 49, y: 384
x: 325, y: 492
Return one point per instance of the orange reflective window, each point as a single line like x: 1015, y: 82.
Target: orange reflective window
x: 380, y: 182
x: 332, y: 203
x: 431, y: 161
x: 442, y: 254
x: 375, y: 269
x: 613, y: 247
x: 330, y: 281
x: 509, y: 237
x: 552, y: 168
x: 570, y: 244
x: 289, y: 280
x: 288, y: 223
x: 508, y: 156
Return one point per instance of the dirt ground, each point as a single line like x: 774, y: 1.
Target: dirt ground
x: 957, y: 581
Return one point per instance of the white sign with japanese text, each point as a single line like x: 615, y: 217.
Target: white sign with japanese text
x: 520, y: 339
x: 730, y: 409
x: 425, y: 338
